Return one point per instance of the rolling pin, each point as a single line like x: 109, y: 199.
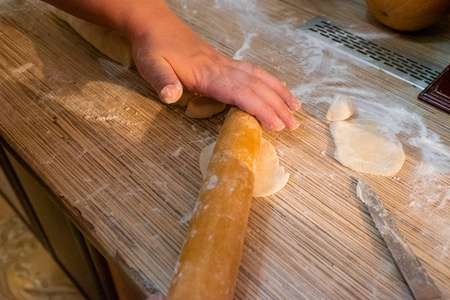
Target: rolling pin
x: 209, y: 262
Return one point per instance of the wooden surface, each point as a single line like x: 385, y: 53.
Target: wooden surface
x: 124, y: 167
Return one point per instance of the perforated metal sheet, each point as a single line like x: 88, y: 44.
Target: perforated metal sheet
x: 411, y: 69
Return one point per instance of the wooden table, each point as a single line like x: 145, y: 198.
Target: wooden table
x: 124, y: 167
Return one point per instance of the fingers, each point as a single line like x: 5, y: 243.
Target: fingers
x: 235, y: 82
x: 268, y: 96
x: 161, y: 76
x: 233, y: 92
x: 247, y: 100
x: 273, y: 82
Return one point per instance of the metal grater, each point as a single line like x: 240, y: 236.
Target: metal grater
x: 408, y: 68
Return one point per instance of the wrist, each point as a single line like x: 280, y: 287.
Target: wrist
x: 142, y: 17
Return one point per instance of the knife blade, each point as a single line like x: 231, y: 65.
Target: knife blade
x: 417, y: 278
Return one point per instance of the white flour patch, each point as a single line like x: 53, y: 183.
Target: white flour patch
x: 245, y: 46
x: 185, y: 219
x: 212, y: 182
x: 161, y: 184
x: 312, y: 56
x: 142, y: 54
x: 177, y: 152
x: 243, y: 6
x: 426, y: 191
x: 433, y: 152
x: 316, y: 55
x: 430, y: 199
x: 22, y: 69
x: 377, y: 35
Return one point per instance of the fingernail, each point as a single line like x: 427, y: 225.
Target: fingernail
x: 296, y: 104
x: 170, y: 93
x: 294, y: 123
x: 283, y: 83
x: 279, y: 125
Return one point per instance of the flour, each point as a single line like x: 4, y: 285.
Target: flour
x: 433, y: 152
x: 177, y: 152
x: 212, y: 182
x: 247, y: 6
x: 377, y: 35
x: 313, y: 57
x: 162, y: 185
x: 245, y: 46
x: 426, y: 192
x: 22, y: 69
x: 185, y: 219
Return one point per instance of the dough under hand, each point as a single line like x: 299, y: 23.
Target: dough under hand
x: 367, y: 147
x: 270, y: 177
x: 340, y: 109
x: 203, y: 107
x: 185, y: 98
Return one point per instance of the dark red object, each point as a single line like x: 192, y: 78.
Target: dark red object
x: 438, y: 92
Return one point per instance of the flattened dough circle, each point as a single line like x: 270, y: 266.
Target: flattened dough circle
x: 270, y: 177
x: 367, y: 147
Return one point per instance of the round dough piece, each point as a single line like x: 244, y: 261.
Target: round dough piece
x: 203, y: 107
x: 270, y: 177
x: 340, y: 109
x: 367, y: 147
x: 185, y: 98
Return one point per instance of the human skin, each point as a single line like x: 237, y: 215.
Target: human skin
x: 170, y: 56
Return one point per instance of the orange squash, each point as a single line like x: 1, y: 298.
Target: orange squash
x: 408, y: 15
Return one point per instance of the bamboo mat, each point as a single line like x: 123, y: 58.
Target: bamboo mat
x: 124, y: 167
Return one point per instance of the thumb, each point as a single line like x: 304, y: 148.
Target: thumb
x: 162, y: 77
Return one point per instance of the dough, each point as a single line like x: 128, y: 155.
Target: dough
x: 340, y: 109
x: 185, y: 98
x: 203, y: 107
x: 106, y: 40
x: 270, y: 177
x: 367, y: 147
x: 200, y: 107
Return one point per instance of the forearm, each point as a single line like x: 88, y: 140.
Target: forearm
x: 124, y: 16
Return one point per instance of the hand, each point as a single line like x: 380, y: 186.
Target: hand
x: 170, y: 55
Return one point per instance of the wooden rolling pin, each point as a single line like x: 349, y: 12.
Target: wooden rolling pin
x: 209, y: 261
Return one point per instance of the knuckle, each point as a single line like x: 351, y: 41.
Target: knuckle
x: 218, y: 57
x: 285, y: 95
x: 242, y: 93
x: 257, y: 70
x: 256, y: 83
x: 202, y: 76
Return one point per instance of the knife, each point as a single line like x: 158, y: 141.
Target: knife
x: 419, y: 282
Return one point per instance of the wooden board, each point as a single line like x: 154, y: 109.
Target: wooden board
x: 124, y: 167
